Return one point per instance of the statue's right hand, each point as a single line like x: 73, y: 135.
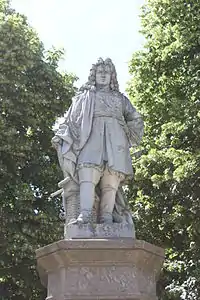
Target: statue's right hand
x: 56, y: 141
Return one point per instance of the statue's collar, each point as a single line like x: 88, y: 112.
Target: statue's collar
x: 104, y: 89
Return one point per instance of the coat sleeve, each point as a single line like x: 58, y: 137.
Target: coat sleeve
x: 133, y: 121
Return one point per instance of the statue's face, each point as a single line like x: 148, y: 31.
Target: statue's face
x: 103, y: 75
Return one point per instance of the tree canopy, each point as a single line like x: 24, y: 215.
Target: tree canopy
x: 32, y: 94
x: 164, y: 195
x: 165, y: 88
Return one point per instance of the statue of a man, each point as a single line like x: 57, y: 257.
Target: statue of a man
x: 93, y: 145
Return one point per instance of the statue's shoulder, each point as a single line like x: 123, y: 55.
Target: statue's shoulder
x: 78, y: 96
x: 120, y: 95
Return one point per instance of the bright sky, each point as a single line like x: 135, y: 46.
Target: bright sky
x: 87, y: 30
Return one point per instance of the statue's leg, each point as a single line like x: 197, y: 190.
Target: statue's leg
x: 88, y: 179
x: 109, y: 185
x: 71, y: 201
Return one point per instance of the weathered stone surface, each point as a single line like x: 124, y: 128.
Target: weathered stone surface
x: 93, y: 146
x: 100, y: 269
x: 99, y: 257
x: 100, y: 231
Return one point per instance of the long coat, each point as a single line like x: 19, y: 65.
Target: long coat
x: 101, y: 127
x: 109, y: 140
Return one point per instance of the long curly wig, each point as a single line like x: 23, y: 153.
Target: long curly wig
x: 91, y: 83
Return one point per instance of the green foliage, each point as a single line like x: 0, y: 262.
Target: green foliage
x: 32, y: 94
x: 165, y: 88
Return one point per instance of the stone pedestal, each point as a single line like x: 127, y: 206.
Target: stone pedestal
x: 99, y: 231
x: 100, y: 269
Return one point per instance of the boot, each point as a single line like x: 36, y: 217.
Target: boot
x: 106, y: 218
x: 85, y: 217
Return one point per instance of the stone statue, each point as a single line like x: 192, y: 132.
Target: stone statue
x: 93, y: 149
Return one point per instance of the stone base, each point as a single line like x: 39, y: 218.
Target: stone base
x: 100, y: 231
x: 100, y: 269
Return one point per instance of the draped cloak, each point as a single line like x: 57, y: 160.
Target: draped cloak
x: 98, y: 127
